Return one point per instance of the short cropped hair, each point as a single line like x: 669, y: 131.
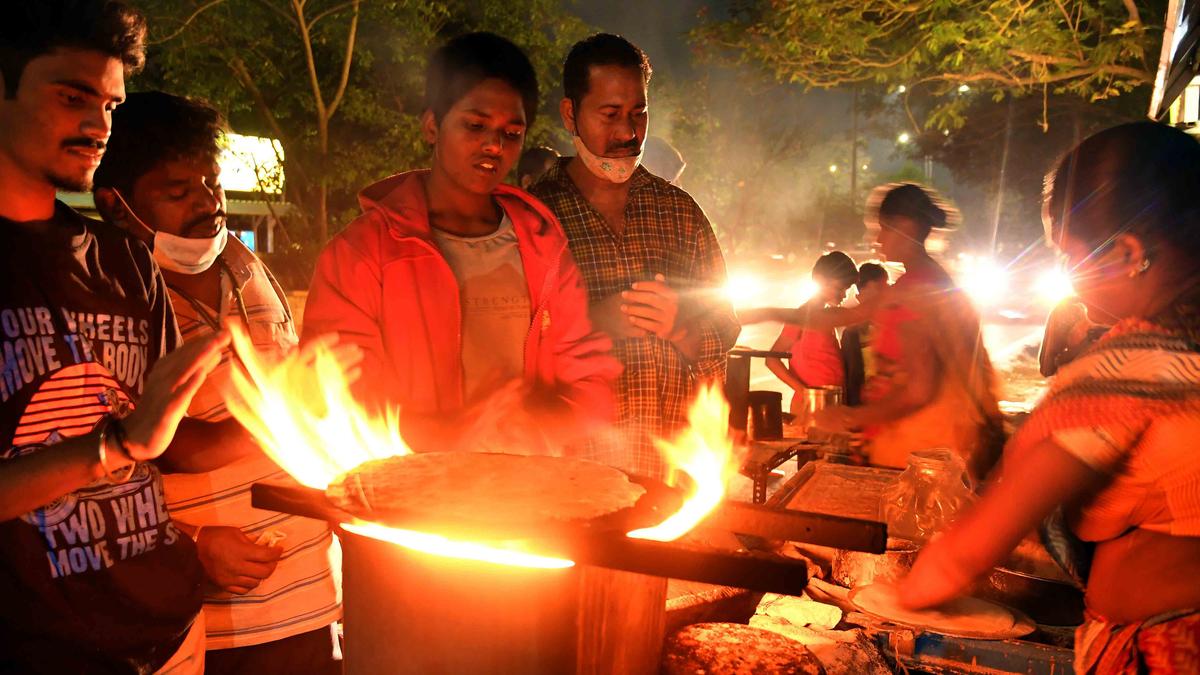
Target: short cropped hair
x: 869, y: 273
x: 33, y: 28
x: 601, y: 49
x: 458, y: 66
x: 836, y: 266
x: 153, y: 127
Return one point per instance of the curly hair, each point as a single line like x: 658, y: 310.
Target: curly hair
x: 29, y: 29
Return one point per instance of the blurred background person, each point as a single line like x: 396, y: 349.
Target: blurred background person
x: 1110, y: 444
x: 534, y: 164
x: 935, y: 386
x: 816, y: 359
x: 857, y: 357
x: 663, y: 160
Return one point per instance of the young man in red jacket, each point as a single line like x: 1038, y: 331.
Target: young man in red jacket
x: 454, y: 284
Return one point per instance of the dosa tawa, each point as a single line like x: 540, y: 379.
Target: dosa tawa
x: 962, y: 617
x: 485, y: 495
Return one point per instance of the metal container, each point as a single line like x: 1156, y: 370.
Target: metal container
x: 766, y: 415
x: 808, y: 402
x: 854, y: 568
x: 1046, y: 601
x: 409, y: 612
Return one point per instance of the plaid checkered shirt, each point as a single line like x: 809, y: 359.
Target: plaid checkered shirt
x: 666, y: 233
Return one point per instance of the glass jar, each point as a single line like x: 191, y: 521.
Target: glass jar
x: 927, y: 496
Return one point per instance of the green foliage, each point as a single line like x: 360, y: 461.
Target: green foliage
x: 1091, y: 49
x: 249, y: 59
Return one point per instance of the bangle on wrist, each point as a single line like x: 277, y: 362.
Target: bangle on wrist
x: 110, y: 433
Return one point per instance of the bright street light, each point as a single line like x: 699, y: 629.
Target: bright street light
x: 1054, y: 286
x: 904, y: 137
x: 745, y: 290
x: 833, y: 168
x: 984, y: 280
x: 901, y: 89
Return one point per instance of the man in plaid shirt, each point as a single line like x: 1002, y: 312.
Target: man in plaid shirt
x: 652, y: 264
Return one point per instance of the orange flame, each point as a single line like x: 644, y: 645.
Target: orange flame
x: 302, y: 413
x: 439, y: 545
x: 705, y: 452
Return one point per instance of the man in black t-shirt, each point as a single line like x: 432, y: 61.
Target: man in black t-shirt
x: 94, y: 576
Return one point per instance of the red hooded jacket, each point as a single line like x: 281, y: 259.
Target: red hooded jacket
x: 383, y: 285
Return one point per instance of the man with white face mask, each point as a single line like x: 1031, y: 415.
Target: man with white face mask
x: 645, y: 248
x: 272, y: 595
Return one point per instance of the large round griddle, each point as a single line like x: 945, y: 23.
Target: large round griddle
x: 655, y: 504
x: 1022, y: 624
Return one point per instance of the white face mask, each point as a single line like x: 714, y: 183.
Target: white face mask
x: 615, y: 169
x: 182, y: 254
x: 186, y: 255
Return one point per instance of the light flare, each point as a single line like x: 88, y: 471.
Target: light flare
x: 984, y: 280
x: 808, y: 290
x: 1054, y: 286
x: 706, y: 453
x: 743, y: 290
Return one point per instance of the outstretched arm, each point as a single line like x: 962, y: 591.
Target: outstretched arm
x: 1024, y: 495
x: 822, y: 319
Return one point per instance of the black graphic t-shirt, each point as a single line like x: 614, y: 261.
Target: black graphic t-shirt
x: 99, y: 580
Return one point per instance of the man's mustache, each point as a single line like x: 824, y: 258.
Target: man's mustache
x: 82, y: 142
x: 633, y: 145
x: 206, y: 220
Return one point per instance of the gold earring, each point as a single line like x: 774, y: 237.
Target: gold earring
x: 1140, y: 269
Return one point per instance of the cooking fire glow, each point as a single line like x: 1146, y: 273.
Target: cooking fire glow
x: 301, y: 411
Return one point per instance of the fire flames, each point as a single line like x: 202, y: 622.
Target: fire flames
x: 704, y: 451
x: 302, y: 413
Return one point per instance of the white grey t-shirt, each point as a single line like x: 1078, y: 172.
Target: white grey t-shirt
x: 495, y: 303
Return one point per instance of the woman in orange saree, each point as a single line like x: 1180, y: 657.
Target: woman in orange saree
x: 1110, y: 448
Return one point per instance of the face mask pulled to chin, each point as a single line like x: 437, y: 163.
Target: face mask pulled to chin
x: 185, y: 255
x: 179, y: 254
x: 613, y: 169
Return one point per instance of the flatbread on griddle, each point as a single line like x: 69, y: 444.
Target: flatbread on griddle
x: 501, y: 491
x: 961, y: 616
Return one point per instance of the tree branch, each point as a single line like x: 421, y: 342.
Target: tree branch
x: 1044, y: 58
x: 309, y: 59
x: 284, y: 15
x: 1134, y: 16
x: 242, y: 74
x: 349, y: 58
x: 332, y: 10
x: 187, y: 22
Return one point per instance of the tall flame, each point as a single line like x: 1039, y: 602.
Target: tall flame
x: 302, y: 413
x: 705, y: 452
